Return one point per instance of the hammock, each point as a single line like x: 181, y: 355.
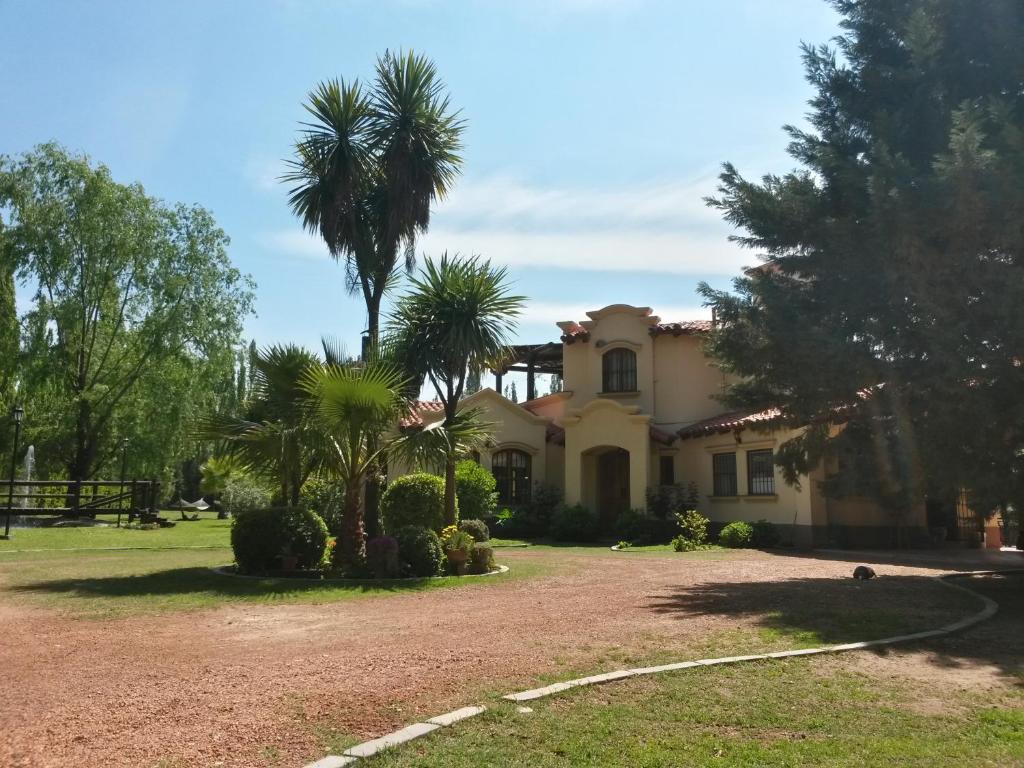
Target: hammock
x: 199, y: 505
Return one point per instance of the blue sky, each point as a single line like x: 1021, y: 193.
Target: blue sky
x: 595, y: 127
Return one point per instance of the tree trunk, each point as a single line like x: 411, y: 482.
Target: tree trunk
x: 352, y: 543
x: 372, y: 491
x: 449, y: 491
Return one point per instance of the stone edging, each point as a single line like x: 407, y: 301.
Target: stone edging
x: 416, y: 730
x: 222, y: 570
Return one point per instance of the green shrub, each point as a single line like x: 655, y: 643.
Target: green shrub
x: 532, y: 519
x: 624, y: 544
x: 693, y: 526
x: 416, y: 499
x: 736, y: 535
x: 682, y: 544
x: 640, y: 528
x: 575, y: 523
x: 419, y: 551
x: 765, y: 534
x: 476, y: 490
x: 261, y: 537
x: 666, y: 501
x: 327, y: 499
x: 475, y: 528
x: 242, y: 493
x: 481, y: 560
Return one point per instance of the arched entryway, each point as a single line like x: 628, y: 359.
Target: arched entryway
x: 606, y: 482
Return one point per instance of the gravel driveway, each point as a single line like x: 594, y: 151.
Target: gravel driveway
x: 251, y: 685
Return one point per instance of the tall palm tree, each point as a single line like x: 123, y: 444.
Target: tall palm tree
x: 370, y: 164
x: 353, y: 405
x: 367, y: 168
x: 457, y: 318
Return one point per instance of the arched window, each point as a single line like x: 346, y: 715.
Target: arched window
x: 618, y: 369
x: 511, y: 469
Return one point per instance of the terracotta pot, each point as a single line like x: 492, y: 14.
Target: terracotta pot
x: 458, y: 559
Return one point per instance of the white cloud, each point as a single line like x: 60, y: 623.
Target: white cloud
x: 658, y: 227
x: 264, y: 173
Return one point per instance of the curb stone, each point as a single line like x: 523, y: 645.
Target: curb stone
x: 416, y: 730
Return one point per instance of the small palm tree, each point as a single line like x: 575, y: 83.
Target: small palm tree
x: 457, y: 318
x: 352, y: 406
x: 274, y: 438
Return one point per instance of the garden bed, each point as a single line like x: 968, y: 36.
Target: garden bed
x: 320, y: 576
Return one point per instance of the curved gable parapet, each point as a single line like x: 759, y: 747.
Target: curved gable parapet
x: 489, y: 397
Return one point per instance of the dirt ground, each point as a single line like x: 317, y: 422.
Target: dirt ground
x: 252, y: 685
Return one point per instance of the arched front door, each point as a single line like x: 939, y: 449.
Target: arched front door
x: 612, y: 486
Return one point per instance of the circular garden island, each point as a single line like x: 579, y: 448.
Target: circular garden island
x: 309, y: 541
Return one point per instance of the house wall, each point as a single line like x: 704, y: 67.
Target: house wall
x: 685, y: 382
x: 605, y: 424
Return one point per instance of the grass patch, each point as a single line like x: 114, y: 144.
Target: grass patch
x: 807, y: 712
x: 206, y: 532
x: 101, y: 584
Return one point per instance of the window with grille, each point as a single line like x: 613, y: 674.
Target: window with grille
x: 724, y: 470
x: 618, y: 368
x: 760, y: 473
x: 667, y: 470
x: 511, y: 470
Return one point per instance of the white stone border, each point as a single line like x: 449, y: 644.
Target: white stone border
x: 222, y: 570
x: 416, y: 730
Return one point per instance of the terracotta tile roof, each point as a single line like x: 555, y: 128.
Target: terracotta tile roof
x: 661, y: 436
x: 530, y: 405
x: 575, y: 332
x: 414, y: 418
x: 727, y: 422
x: 554, y: 434
x: 685, y: 328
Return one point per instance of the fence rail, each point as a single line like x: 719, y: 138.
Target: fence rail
x: 79, y: 498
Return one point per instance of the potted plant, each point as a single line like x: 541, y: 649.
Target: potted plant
x: 458, y: 548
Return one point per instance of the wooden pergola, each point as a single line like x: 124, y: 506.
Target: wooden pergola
x: 531, y: 359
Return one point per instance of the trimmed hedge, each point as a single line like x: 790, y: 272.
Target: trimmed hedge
x: 327, y: 499
x: 482, y: 558
x: 766, y: 534
x: 416, y: 499
x: 575, y: 523
x: 260, y: 537
x: 475, y: 528
x: 737, y: 535
x: 476, y: 490
x: 419, y: 551
x: 382, y: 557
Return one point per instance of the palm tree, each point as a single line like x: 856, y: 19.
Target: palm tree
x: 274, y: 437
x: 352, y: 405
x: 367, y: 168
x: 457, y: 318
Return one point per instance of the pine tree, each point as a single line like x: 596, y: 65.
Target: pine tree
x: 556, y: 384
x: 894, y: 259
x: 510, y: 392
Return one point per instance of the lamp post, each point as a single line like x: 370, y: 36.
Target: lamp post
x: 124, y: 471
x: 17, y: 414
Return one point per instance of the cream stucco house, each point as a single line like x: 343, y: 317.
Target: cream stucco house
x: 639, y: 410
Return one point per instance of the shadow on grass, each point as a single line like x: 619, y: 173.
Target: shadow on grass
x: 826, y: 611
x: 186, y: 581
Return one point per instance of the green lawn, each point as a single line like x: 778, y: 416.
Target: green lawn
x: 101, y: 572
x: 207, y: 532
x: 799, y: 712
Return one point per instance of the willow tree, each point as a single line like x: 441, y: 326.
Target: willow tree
x: 134, y: 308
x: 368, y: 166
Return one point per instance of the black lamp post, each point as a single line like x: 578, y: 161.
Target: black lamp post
x: 17, y: 415
x: 124, y: 471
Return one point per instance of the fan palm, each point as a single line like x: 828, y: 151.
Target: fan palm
x: 352, y: 406
x: 457, y: 318
x: 274, y: 438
